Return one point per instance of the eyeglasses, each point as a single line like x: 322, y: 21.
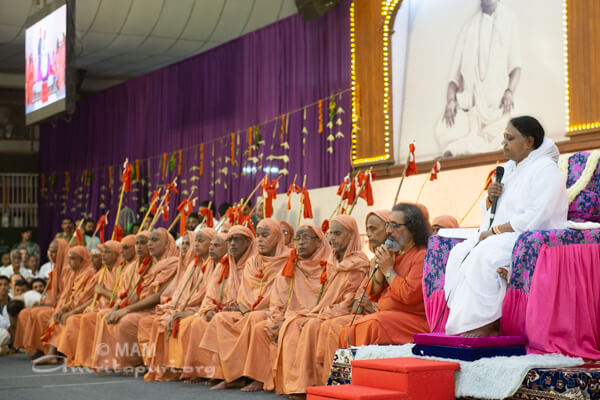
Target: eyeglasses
x: 236, y: 239
x: 393, y: 225
x: 304, y: 239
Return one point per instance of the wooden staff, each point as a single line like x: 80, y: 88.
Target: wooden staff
x: 362, y: 186
x: 120, y: 204
x: 402, y: 180
x: 339, y: 205
x: 162, y: 201
x: 187, y: 300
x: 301, y: 201
x: 250, y: 196
x: 101, y: 282
x: 116, y: 285
x: 476, y: 201
x: 148, y: 212
x: 422, y: 186
x: 179, y: 214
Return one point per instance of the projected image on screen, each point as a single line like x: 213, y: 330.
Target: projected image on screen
x: 45, y: 61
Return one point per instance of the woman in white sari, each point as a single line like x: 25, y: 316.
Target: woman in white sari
x: 531, y: 196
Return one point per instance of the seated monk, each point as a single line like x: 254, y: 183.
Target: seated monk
x: 443, y: 222
x: 72, y: 301
x: 221, y: 295
x: 187, y: 296
x: 131, y: 253
x: 33, y: 321
x: 104, y: 281
x: 295, y: 292
x: 288, y: 233
x: 329, y: 332
x: 228, y: 334
x: 347, y: 266
x: 180, y: 321
x: 396, y: 286
x: 118, y: 332
x: 531, y: 196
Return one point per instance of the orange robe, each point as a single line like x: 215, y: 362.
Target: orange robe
x: 221, y: 294
x: 84, y: 351
x: 295, y: 364
x: 65, y: 338
x: 228, y: 334
x: 401, y: 309
x: 33, y: 321
x: 295, y: 292
x: 116, y: 344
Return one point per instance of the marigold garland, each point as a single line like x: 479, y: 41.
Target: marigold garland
x: 164, y: 166
x: 233, y: 149
x: 201, y: 159
x: 180, y: 159
x: 137, y: 170
x: 250, y: 142
x: 110, y: 177
x: 320, y: 116
x: 282, y: 127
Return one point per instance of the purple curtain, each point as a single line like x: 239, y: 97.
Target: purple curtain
x: 253, y: 79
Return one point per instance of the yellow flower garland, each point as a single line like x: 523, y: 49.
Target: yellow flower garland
x: 586, y: 176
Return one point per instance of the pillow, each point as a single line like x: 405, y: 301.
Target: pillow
x: 587, y: 203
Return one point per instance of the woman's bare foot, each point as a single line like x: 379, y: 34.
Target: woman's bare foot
x: 491, y: 329
x: 253, y: 386
x: 238, y: 383
x: 503, y: 273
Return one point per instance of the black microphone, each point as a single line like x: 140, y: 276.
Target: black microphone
x: 499, y: 175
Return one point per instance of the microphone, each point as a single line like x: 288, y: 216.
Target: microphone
x: 499, y: 175
x: 392, y: 245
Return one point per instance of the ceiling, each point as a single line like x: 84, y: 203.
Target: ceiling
x: 120, y: 39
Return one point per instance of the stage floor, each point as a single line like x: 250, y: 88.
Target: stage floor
x: 19, y: 381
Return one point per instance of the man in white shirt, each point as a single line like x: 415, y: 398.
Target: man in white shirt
x: 15, y: 266
x: 4, y: 318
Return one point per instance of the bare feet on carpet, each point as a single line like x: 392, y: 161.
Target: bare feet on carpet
x: 253, y: 386
x: 237, y: 384
x: 193, y: 381
x: 491, y: 329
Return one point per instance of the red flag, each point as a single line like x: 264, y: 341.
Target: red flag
x: 307, y: 206
x: 343, y: 185
x: 184, y: 208
x: 79, y: 237
x: 291, y: 189
x: 411, y: 167
x: 269, y: 190
x: 119, y: 232
x: 153, y: 202
x: 126, y: 177
x: 165, y: 212
x: 100, y: 227
x: 350, y: 194
x: 171, y: 188
x: 435, y: 170
x: 288, y: 269
x: 207, y: 214
x: 325, y: 226
x: 224, y: 269
x: 367, y: 192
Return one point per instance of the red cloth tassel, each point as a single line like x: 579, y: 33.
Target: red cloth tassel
x: 219, y: 305
x: 100, y: 227
x: 323, y: 278
x: 488, y: 180
x: 411, y: 167
x: 288, y: 269
x: 165, y: 213
x: 367, y: 192
x: 123, y: 295
x: 435, y: 170
x: 307, y: 206
x: 126, y: 177
x: 209, y: 217
x: 119, y: 232
x: 175, y: 330
x: 325, y: 226
x: 224, y: 269
x: 79, y: 237
x: 257, y: 302
x: 171, y: 189
x: 269, y: 189
x: 48, y: 333
x: 183, y: 210
x: 124, y: 303
x: 153, y: 202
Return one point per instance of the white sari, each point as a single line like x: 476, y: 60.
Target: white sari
x: 534, y: 197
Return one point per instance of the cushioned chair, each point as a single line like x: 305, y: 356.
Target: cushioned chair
x: 584, y: 207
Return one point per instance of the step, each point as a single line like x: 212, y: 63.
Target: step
x: 352, y: 392
x: 419, y: 378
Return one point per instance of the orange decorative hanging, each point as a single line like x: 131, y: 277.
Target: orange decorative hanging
x: 85, y: 176
x: 282, y: 127
x: 233, y: 148
x: 164, y: 166
x: 201, y: 159
x: 180, y: 156
x: 320, y: 116
x: 137, y: 170
x: 67, y: 180
x: 250, y: 142
x: 411, y: 168
x: 110, y: 177
x: 435, y: 170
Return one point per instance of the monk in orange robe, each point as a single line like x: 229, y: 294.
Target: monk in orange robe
x: 160, y: 324
x: 75, y: 294
x: 329, y: 332
x: 117, y: 334
x: 288, y: 233
x: 133, y: 248
x: 346, y: 268
x: 221, y: 295
x: 228, y: 333
x: 33, y: 321
x: 397, y: 284
x: 295, y: 292
x: 180, y: 322
x: 104, y: 282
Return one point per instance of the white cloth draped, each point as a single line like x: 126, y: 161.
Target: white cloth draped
x: 534, y: 197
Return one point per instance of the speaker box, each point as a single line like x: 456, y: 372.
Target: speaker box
x: 311, y: 9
